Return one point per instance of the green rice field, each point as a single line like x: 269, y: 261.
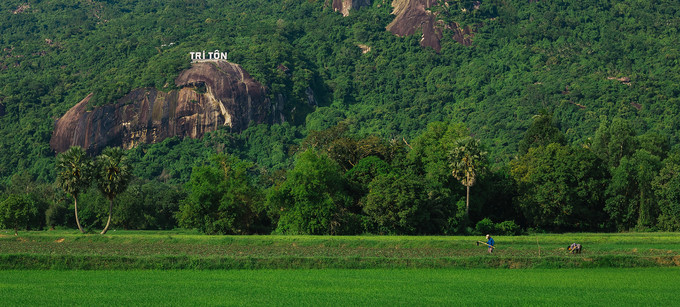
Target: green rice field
x: 343, y: 287
x: 181, y: 268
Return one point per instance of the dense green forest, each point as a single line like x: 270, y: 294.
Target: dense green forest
x: 577, y: 106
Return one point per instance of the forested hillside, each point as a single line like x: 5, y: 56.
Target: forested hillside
x: 577, y: 106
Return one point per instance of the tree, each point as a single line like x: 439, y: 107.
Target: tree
x: 468, y: 160
x: 113, y: 176
x: 313, y: 198
x: 221, y: 198
x: 631, y: 201
x: 361, y: 175
x: 397, y: 203
x: 543, y: 131
x: 667, y: 188
x: 15, y: 212
x: 560, y: 187
x: 655, y: 143
x: 74, y: 175
x: 148, y: 205
x: 432, y: 149
x: 614, y: 141
x: 346, y: 150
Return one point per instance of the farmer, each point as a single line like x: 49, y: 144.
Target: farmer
x: 574, y: 248
x: 490, y: 242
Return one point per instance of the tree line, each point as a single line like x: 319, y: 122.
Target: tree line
x: 441, y: 182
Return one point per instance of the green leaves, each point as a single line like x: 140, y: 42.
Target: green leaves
x: 542, y: 132
x: 74, y: 171
x: 113, y: 173
x: 397, y: 203
x: 313, y: 199
x: 15, y: 211
x: 222, y: 200
x: 468, y: 160
x: 632, y: 203
x: 667, y: 191
x: 560, y: 187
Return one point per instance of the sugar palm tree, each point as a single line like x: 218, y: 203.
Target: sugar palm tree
x: 113, y: 176
x: 74, y: 175
x: 467, y: 162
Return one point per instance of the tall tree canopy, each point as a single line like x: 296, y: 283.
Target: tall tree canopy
x: 468, y: 161
x: 560, y: 187
x: 74, y: 175
x: 543, y: 131
x: 15, y: 212
x: 313, y: 199
x: 222, y: 199
x: 113, y: 174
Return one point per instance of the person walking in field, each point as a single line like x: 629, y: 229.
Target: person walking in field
x: 490, y: 242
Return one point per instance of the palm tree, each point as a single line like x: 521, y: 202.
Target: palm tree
x: 113, y: 176
x: 467, y: 162
x: 74, y: 174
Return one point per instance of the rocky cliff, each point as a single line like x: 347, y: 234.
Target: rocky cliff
x: 212, y: 94
x: 344, y: 6
x: 412, y: 15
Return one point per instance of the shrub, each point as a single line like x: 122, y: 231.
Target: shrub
x: 507, y: 228
x: 485, y: 226
x: 15, y: 212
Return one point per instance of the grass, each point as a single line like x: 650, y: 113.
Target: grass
x: 419, y: 287
x: 165, y: 268
x: 189, y: 250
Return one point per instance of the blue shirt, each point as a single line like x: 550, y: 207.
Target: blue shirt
x: 490, y: 242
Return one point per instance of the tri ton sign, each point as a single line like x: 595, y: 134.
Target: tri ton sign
x: 206, y: 56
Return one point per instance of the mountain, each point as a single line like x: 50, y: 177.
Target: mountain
x: 384, y: 68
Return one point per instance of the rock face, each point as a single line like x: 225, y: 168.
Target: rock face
x: 344, y: 6
x: 414, y: 14
x: 212, y: 94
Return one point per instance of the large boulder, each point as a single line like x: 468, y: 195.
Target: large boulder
x: 344, y: 6
x: 212, y: 94
x: 412, y: 15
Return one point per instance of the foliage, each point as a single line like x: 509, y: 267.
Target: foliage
x: 432, y: 149
x: 148, y: 205
x: 113, y: 172
x: 667, y: 192
x: 485, y: 226
x: 543, y: 131
x: 348, y: 150
x: 527, y: 56
x: 631, y: 202
x: 221, y: 199
x: 493, y: 197
x: 313, y: 198
x: 74, y: 174
x: 600, y: 75
x: 507, y: 228
x: 73, y: 171
x: 15, y: 211
x: 614, y: 141
x: 367, y: 169
x: 468, y: 161
x: 560, y: 187
x: 112, y: 176
x: 397, y: 203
